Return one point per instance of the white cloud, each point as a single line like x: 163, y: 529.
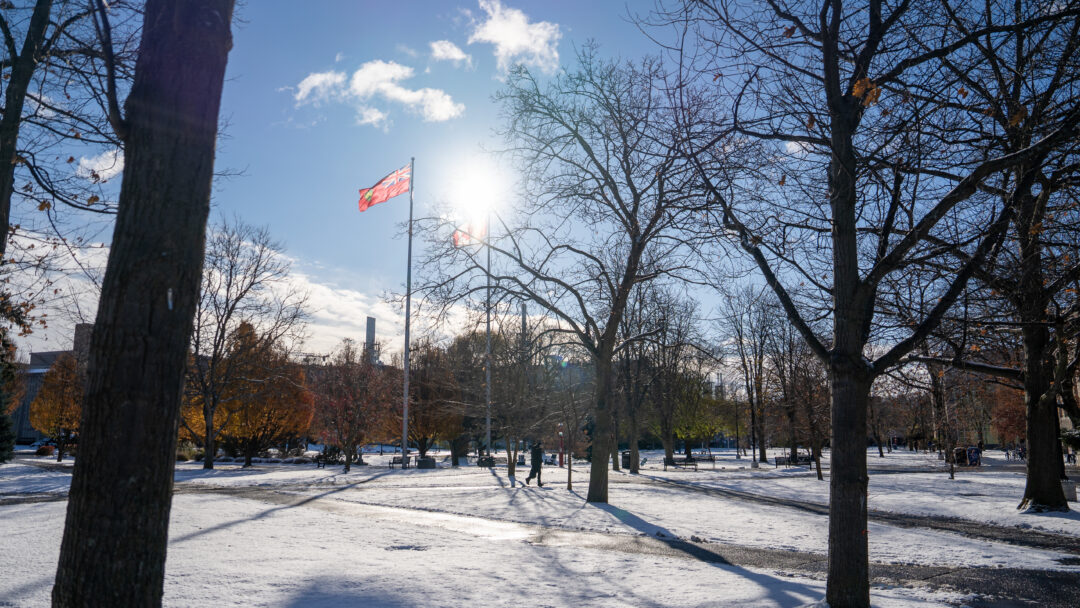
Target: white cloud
x: 374, y: 76
x: 516, y: 40
x: 318, y: 87
x: 797, y: 148
x: 379, y: 79
x: 339, y: 57
x: 102, y: 167
x: 444, y: 50
x: 370, y: 116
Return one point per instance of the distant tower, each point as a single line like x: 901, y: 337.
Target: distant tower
x: 369, y: 340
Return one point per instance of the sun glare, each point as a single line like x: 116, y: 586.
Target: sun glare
x: 479, y: 186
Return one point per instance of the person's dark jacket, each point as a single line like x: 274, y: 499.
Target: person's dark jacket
x: 536, y: 456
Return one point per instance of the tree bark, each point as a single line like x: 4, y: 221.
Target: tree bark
x: 1042, y: 491
x: 116, y: 532
x: 598, y: 472
x: 849, y: 574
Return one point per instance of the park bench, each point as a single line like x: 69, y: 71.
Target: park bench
x: 490, y: 461
x: 681, y: 463
x: 797, y: 461
x: 710, y: 458
x: 402, y: 461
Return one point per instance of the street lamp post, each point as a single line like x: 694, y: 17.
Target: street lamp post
x: 560, y: 445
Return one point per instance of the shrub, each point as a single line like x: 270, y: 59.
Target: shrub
x: 45, y: 450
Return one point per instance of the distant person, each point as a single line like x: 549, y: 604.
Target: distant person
x: 536, y: 460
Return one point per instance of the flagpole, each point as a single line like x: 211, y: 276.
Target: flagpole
x: 408, y: 307
x: 487, y: 358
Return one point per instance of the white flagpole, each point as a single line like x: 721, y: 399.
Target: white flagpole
x: 408, y: 307
x: 487, y: 354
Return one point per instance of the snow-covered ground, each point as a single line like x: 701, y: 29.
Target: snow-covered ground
x: 295, y: 535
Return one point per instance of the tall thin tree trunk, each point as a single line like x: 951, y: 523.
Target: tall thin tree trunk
x: 22, y: 73
x: 790, y: 411
x: 116, y: 531
x: 615, y: 442
x: 210, y: 443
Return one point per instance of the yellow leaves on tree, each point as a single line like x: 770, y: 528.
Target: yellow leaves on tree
x: 57, y: 408
x: 867, y: 91
x: 267, y: 401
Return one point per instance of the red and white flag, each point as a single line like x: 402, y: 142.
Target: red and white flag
x: 388, y: 187
x: 470, y: 234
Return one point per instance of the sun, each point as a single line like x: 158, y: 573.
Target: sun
x: 479, y: 187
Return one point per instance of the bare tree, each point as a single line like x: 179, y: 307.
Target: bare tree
x: 245, y: 280
x: 603, y: 199
x: 1017, y: 87
x: 817, y: 102
x: 353, y: 399
x: 749, y: 326
x: 148, y: 300
x: 673, y: 343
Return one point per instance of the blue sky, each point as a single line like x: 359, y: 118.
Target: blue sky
x: 323, y: 98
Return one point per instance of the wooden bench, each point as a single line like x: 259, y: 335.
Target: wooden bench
x: 402, y: 461
x: 681, y: 463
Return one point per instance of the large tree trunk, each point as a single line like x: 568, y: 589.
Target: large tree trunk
x: 22, y: 72
x: 849, y: 574
x: 1043, y: 490
x: 115, y: 535
x: 598, y: 471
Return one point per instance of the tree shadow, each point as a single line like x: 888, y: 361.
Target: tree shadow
x: 335, y: 593
x: 785, y: 593
x: 240, y: 493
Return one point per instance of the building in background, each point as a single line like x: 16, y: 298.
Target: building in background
x: 40, y: 362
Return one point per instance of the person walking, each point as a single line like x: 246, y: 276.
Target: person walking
x: 536, y: 460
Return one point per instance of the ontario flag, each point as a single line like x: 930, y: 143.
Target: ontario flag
x: 388, y: 187
x: 470, y: 234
